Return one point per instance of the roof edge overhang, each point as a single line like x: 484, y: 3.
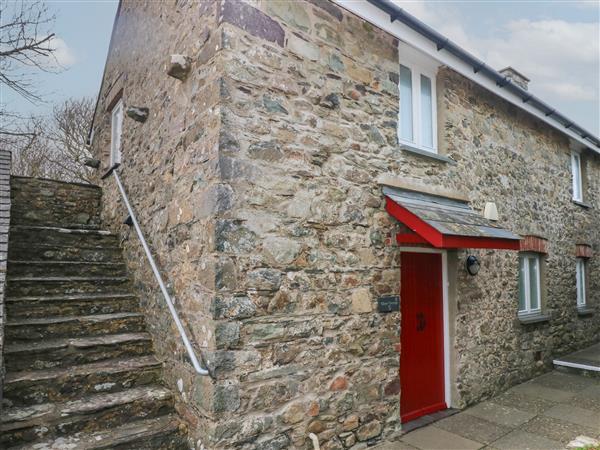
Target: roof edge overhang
x: 391, y: 18
x: 110, y: 47
x: 427, y: 234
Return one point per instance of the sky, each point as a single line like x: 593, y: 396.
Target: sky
x: 83, y: 31
x: 554, y: 43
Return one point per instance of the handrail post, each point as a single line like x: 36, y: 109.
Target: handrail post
x: 186, y: 342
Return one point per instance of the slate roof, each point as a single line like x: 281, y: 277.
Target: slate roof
x: 448, y: 216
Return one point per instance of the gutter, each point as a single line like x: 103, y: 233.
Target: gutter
x: 443, y: 43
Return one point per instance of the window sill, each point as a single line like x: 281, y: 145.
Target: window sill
x: 582, y: 204
x: 585, y: 310
x: 537, y: 317
x: 425, y: 153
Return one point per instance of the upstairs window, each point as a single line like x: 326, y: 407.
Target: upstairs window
x: 417, y: 112
x: 581, y: 280
x: 529, y: 284
x: 577, y: 176
x: 115, y: 133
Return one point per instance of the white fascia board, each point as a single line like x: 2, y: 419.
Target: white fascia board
x: 381, y: 19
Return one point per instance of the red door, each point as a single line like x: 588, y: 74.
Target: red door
x: 422, y: 335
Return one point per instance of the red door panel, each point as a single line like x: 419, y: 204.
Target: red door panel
x: 422, y: 335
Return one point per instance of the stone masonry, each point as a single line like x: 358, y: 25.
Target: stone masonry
x: 255, y: 180
x: 79, y: 365
x: 5, y: 162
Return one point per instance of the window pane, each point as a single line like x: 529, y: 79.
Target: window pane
x: 522, y: 281
x: 576, y: 170
x: 581, y: 282
x: 116, y: 130
x: 426, y: 112
x: 534, y: 279
x: 406, y: 104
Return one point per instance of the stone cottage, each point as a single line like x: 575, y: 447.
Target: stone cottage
x: 359, y: 222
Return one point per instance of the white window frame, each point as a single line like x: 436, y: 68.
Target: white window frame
x: 580, y: 271
x: 418, y: 65
x: 527, y: 283
x: 116, y: 132
x: 577, y: 176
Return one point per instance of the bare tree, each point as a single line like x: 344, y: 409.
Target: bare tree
x: 67, y: 133
x: 25, y: 45
x: 25, y: 49
x: 57, y: 149
x: 29, y: 151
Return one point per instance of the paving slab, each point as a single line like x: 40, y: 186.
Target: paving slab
x: 394, y: 446
x: 565, y: 381
x: 536, y: 390
x: 575, y: 414
x: 588, y: 399
x: 559, y: 430
x: 525, y: 403
x: 523, y: 440
x: 500, y: 414
x: 472, y: 427
x: 432, y: 438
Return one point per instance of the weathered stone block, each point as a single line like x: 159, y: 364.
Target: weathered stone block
x: 264, y: 279
x: 361, y: 301
x: 330, y: 7
x: 226, y: 398
x: 232, y: 237
x: 267, y: 151
x: 273, y: 105
x: 282, y: 250
x: 369, y: 430
x: 227, y: 335
x: 292, y: 13
x: 302, y: 47
x: 179, y: 66
x: 277, y: 443
x: 251, y: 20
x: 137, y: 113
x: 233, y: 307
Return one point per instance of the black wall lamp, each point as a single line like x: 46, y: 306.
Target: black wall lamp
x: 473, y: 265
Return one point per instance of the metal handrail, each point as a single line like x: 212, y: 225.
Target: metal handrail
x: 186, y: 342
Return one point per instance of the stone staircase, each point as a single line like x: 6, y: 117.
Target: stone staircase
x: 80, y: 372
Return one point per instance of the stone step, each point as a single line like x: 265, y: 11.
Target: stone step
x: 66, y: 269
x: 35, y: 251
x: 70, y: 305
x: 89, y: 414
x: 164, y: 432
x: 58, y: 236
x: 74, y: 326
x: 69, y: 383
x: 66, y: 352
x: 38, y: 286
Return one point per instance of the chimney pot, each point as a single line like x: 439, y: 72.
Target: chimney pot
x: 515, y: 76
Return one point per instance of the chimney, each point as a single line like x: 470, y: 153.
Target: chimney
x: 516, y: 77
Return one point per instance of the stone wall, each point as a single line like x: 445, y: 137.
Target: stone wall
x: 309, y: 123
x: 255, y: 180
x: 171, y: 173
x: 5, y: 163
x: 508, y: 157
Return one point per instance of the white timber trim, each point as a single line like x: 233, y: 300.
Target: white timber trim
x: 381, y: 19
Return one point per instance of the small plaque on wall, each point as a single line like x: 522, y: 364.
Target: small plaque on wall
x: 388, y: 304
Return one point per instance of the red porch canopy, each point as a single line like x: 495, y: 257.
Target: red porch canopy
x: 444, y: 223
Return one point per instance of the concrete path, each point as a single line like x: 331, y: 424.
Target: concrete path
x: 545, y: 413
